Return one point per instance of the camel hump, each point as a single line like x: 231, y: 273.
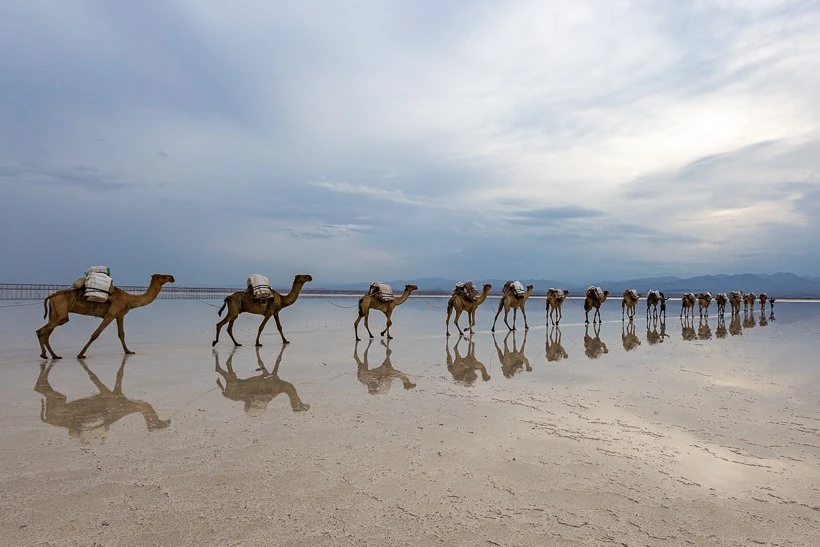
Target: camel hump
x: 259, y: 286
x: 382, y: 291
x: 466, y: 289
x: 593, y: 291
x: 98, y: 287
x: 516, y: 287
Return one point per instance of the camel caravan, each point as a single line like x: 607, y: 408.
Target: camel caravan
x: 94, y: 294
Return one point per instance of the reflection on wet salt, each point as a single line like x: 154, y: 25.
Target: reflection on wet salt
x: 749, y: 320
x: 463, y: 368
x: 629, y: 338
x: 513, y: 360
x: 555, y: 350
x: 594, y: 347
x: 89, y: 419
x: 655, y: 336
x: 704, y: 330
x: 734, y: 325
x: 687, y: 329
x: 379, y: 379
x: 720, y: 331
x: 256, y: 391
x: 763, y: 322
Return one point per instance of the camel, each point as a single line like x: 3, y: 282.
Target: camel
x: 60, y: 304
x: 371, y: 302
x: 720, y: 331
x: 735, y: 298
x: 687, y: 328
x: 379, y: 379
x: 749, y: 301
x: 510, y: 300
x: 653, y: 336
x: 704, y: 300
x: 763, y: 298
x: 256, y: 391
x: 555, y: 300
x: 734, y: 325
x: 704, y: 330
x: 653, y: 298
x: 91, y: 417
x: 687, y: 304
x: 629, y: 339
x: 749, y: 319
x: 512, y: 360
x: 720, y: 300
x: 555, y: 350
x: 594, y: 347
x: 461, y: 304
x: 629, y: 302
x: 594, y: 298
x: 243, y: 302
x: 464, y: 369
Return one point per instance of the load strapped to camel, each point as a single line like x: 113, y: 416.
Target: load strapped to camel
x: 259, y: 287
x: 634, y: 294
x: 382, y: 291
x: 653, y: 294
x: 595, y: 292
x: 705, y: 296
x: 466, y: 290
x: 97, y: 283
x: 515, y: 286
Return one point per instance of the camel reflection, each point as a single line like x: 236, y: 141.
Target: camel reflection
x: 629, y: 339
x: 734, y: 325
x: 256, y: 391
x: 749, y: 320
x: 594, y: 347
x: 704, y: 330
x: 654, y: 336
x: 379, y: 379
x: 687, y: 329
x: 720, y: 331
x: 464, y: 368
x: 512, y: 360
x: 763, y: 321
x: 89, y: 419
x: 555, y: 350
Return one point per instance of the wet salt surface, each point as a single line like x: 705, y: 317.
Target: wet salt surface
x: 549, y: 435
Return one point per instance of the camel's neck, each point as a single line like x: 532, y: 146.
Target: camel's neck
x: 291, y: 297
x: 403, y: 298
x: 139, y: 300
x: 482, y: 297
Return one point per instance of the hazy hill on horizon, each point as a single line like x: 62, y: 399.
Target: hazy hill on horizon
x: 781, y: 284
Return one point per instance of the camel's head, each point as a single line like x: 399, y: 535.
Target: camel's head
x: 530, y: 287
x: 487, y: 287
x: 606, y: 293
x: 163, y: 278
x: 303, y: 278
x: 410, y: 288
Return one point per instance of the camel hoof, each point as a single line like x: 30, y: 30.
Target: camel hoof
x: 389, y: 337
x: 371, y: 336
x: 80, y: 356
x: 43, y: 356
x: 448, y: 334
x: 285, y: 342
x: 213, y: 344
x: 358, y: 339
x: 130, y: 352
x: 258, y: 345
x: 237, y: 344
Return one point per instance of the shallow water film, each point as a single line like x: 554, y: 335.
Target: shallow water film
x: 645, y: 432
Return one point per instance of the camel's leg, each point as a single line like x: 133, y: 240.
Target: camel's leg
x: 500, y: 306
x: 471, y: 320
x: 230, y: 332
x: 105, y: 322
x: 560, y: 314
x: 506, y: 315
x: 367, y: 323
x: 387, y: 327
x: 227, y: 318
x: 121, y: 334
x: 279, y: 328
x: 44, y: 335
x: 262, y: 327
x: 597, y: 315
x: 455, y: 322
x: 524, y: 313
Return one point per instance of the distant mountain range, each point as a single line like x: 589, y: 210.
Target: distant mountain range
x: 782, y: 285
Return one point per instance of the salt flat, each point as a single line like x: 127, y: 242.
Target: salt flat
x: 695, y: 435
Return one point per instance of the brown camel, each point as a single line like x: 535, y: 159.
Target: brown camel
x: 629, y: 302
x: 512, y: 360
x: 371, y: 302
x: 704, y: 330
x: 720, y: 331
x: 461, y: 304
x: 594, y: 347
x: 256, y: 391
x: 763, y: 298
x: 735, y: 328
x: 555, y: 301
x: 629, y: 338
x: 555, y: 350
x: 379, y: 379
x: 653, y: 298
x: 687, y: 304
x: 687, y: 327
x: 720, y: 300
x: 654, y: 336
x: 735, y: 298
x: 749, y: 301
x: 704, y: 300
x: 243, y: 302
x: 91, y: 417
x: 60, y: 304
x: 594, y: 298
x: 464, y: 369
x: 511, y: 300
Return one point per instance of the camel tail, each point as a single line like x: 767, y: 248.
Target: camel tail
x: 450, y: 306
x: 45, y: 306
x: 225, y: 303
x: 361, y: 313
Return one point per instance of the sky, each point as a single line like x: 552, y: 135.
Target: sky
x: 378, y: 140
